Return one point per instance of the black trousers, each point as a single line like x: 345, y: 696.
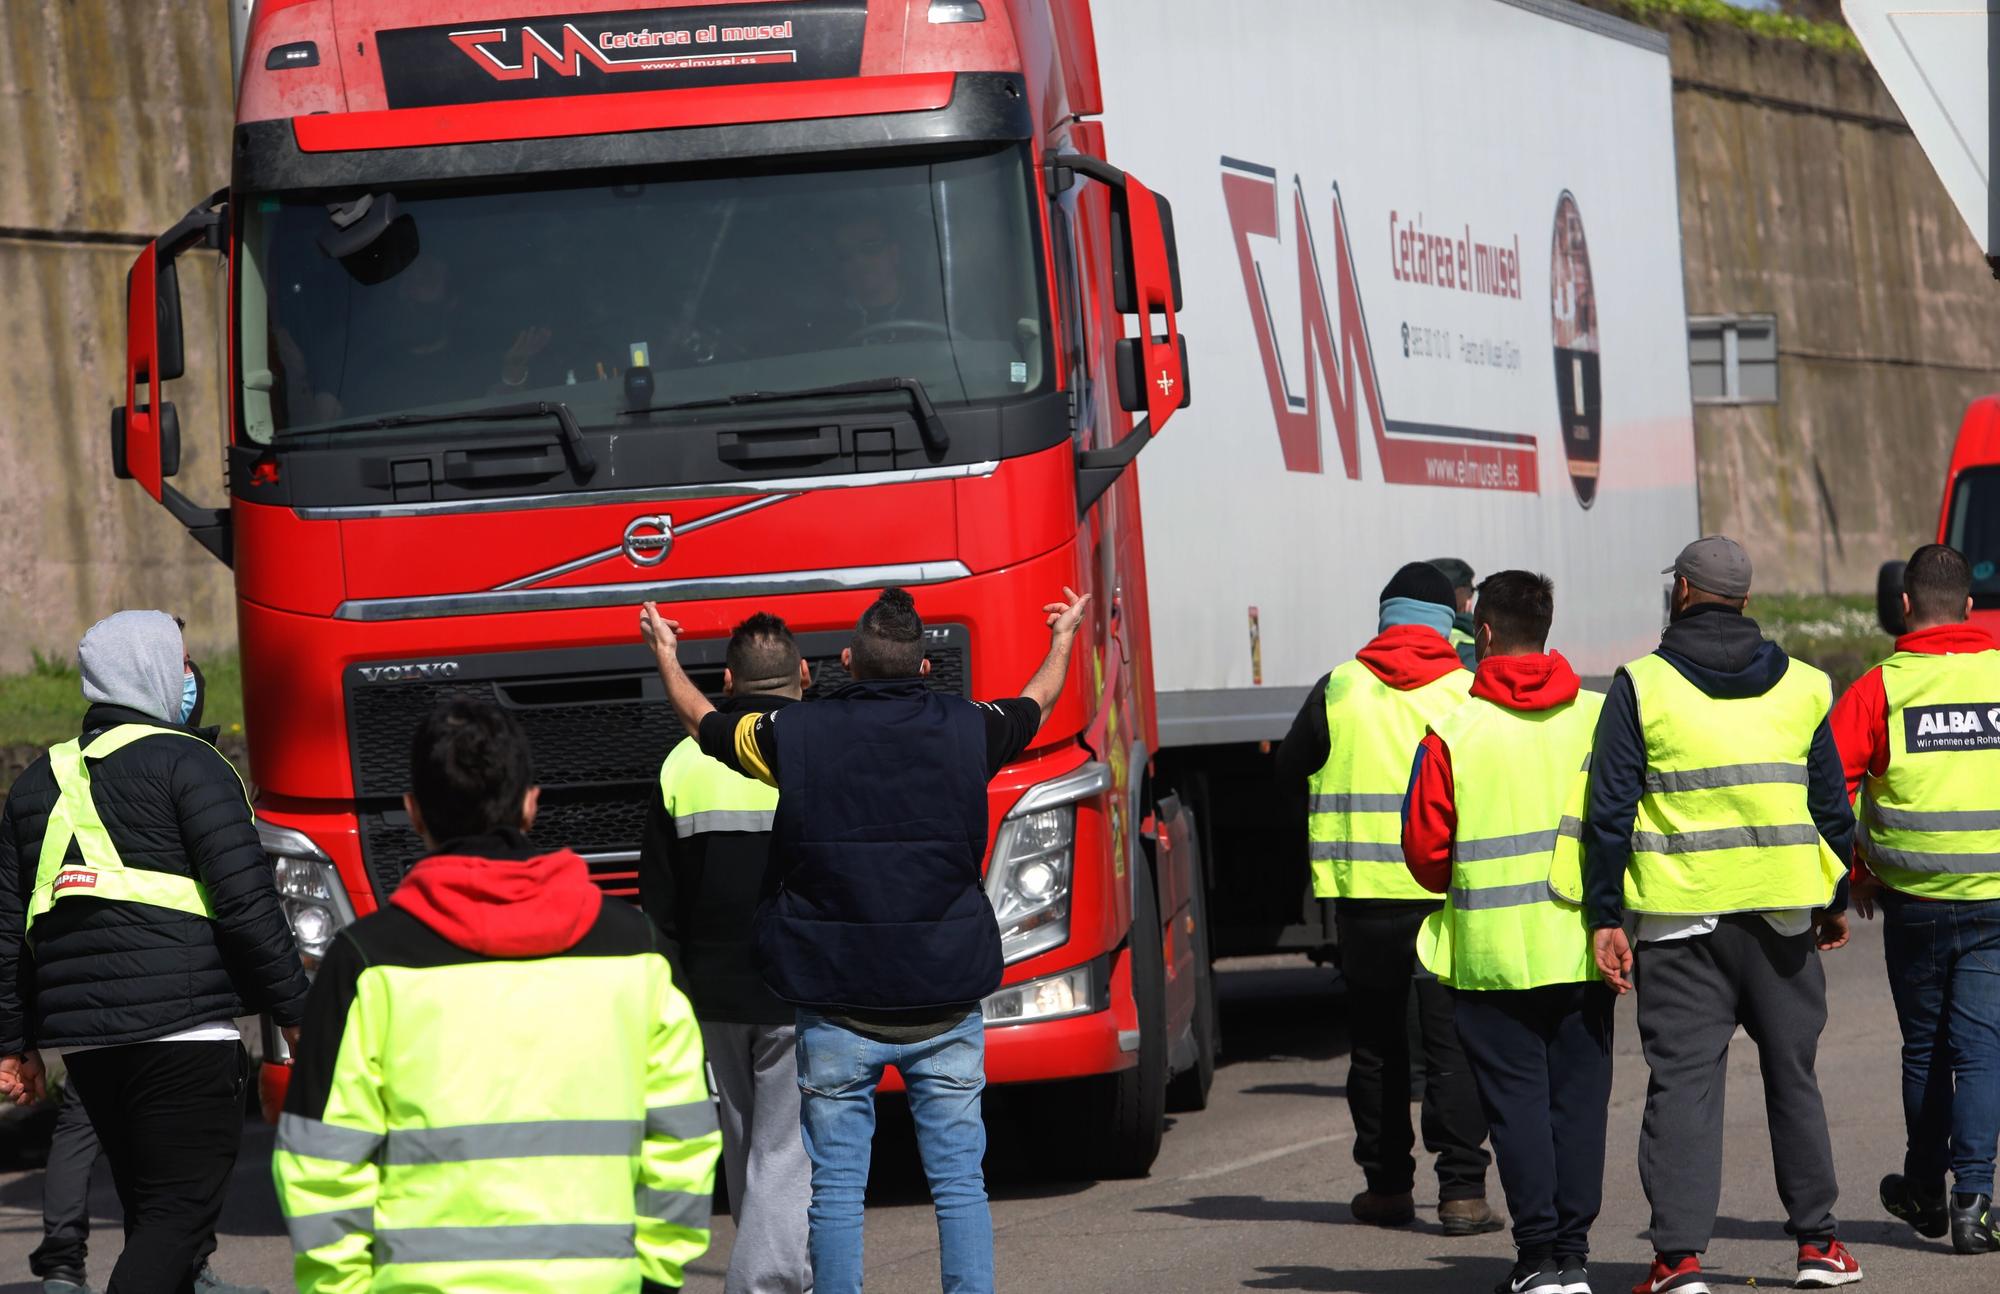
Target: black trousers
x: 1542, y: 1059
x: 1378, y: 959
x: 170, y: 1115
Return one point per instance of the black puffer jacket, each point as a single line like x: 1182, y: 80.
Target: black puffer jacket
x: 100, y: 972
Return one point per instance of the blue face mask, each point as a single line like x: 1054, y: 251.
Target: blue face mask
x: 188, y: 695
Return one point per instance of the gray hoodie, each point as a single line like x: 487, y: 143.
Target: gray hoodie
x: 135, y: 659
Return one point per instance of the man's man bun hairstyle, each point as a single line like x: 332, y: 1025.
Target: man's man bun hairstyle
x: 1519, y: 606
x: 1938, y: 580
x: 889, y: 638
x: 469, y: 769
x: 762, y: 651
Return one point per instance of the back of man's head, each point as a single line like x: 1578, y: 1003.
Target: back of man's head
x: 1516, y: 607
x: 470, y: 772
x: 1938, y: 581
x: 134, y: 659
x: 888, y: 639
x: 763, y: 658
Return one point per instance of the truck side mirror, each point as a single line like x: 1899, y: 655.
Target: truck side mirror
x: 146, y: 430
x: 1889, y: 599
x: 1145, y: 281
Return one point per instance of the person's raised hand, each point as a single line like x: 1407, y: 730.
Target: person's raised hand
x: 1065, y: 616
x: 1613, y: 952
x: 1830, y: 930
x: 659, y: 633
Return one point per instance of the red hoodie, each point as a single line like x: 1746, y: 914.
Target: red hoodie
x: 533, y: 907
x: 1430, y: 817
x: 1409, y: 656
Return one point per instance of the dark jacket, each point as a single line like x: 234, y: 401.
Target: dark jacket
x: 1724, y: 653
x: 703, y: 892
x: 880, y: 831
x: 102, y: 973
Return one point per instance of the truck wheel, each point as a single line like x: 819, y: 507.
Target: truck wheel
x: 1889, y: 599
x: 1129, y: 1112
x: 1189, y: 1088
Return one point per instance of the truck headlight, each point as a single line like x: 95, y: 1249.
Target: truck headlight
x: 309, y: 890
x: 1074, y: 992
x: 1034, y: 859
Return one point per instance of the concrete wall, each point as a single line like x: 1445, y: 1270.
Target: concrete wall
x: 1804, y: 195
x: 116, y: 119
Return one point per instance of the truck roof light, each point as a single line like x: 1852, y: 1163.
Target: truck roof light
x: 944, y: 11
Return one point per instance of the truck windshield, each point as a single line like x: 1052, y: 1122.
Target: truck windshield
x: 655, y: 289
x: 1973, y: 528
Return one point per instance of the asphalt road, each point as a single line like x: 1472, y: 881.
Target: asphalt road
x: 1251, y: 1193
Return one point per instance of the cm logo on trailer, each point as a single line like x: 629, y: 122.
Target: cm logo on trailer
x: 1338, y: 359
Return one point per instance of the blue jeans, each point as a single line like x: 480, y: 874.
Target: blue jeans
x: 1944, y: 973
x: 838, y: 1072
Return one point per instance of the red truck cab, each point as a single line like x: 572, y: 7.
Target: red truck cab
x: 543, y: 308
x: 1968, y: 519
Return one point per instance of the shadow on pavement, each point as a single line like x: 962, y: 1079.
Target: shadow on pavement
x: 1288, y: 1010
x: 1298, y: 1089
x: 1863, y: 1234
x: 1254, y: 1208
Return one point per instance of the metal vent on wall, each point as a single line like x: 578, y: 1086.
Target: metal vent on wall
x: 598, y: 723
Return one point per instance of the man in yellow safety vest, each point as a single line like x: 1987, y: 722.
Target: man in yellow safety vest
x: 1718, y: 817
x: 582, y: 1159
x: 1351, y: 744
x: 138, y: 920
x: 1494, y: 798
x: 704, y: 864
x: 1920, y: 735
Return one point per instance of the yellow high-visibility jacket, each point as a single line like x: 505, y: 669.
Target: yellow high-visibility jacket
x: 508, y: 1121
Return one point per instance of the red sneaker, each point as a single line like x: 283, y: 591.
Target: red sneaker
x: 1683, y: 1277
x: 1825, y: 1266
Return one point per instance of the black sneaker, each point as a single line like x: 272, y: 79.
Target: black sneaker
x: 1929, y: 1214
x: 1531, y: 1278
x: 1972, y: 1229
x: 1575, y: 1277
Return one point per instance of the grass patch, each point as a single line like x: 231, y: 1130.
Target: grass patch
x: 1832, y: 37
x: 45, y: 705
x: 1838, y: 634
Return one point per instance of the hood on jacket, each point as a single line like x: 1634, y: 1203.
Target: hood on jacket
x: 1409, y: 656
x: 132, y: 659
x: 494, y: 895
x: 1948, y: 640
x: 1723, y: 652
x: 1538, y: 682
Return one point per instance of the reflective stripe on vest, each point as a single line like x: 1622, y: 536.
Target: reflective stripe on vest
x: 1519, y: 780
x: 1723, y: 824
x: 1932, y: 820
x: 704, y: 795
x: 1354, y: 813
x: 99, y: 873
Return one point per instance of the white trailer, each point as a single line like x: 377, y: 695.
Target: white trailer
x: 1432, y: 261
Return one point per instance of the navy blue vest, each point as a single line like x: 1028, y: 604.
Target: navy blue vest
x: 880, y: 830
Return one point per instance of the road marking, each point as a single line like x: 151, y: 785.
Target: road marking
x: 1266, y: 1157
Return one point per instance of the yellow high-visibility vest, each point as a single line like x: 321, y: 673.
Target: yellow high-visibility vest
x: 704, y: 794
x: 1723, y: 823
x: 1518, y: 784
x: 1354, y: 810
x: 1932, y: 821
x: 99, y: 872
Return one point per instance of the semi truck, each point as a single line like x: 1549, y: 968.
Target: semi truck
x: 539, y: 309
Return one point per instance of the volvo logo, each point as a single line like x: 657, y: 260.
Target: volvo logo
x: 648, y: 540
x: 406, y: 673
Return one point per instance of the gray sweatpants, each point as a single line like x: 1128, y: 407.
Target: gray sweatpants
x: 1692, y: 995
x: 763, y: 1155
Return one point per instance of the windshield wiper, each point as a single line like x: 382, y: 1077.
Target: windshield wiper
x: 581, y: 460
x: 929, y: 425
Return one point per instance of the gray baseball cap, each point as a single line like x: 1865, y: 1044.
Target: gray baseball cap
x: 1714, y: 564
